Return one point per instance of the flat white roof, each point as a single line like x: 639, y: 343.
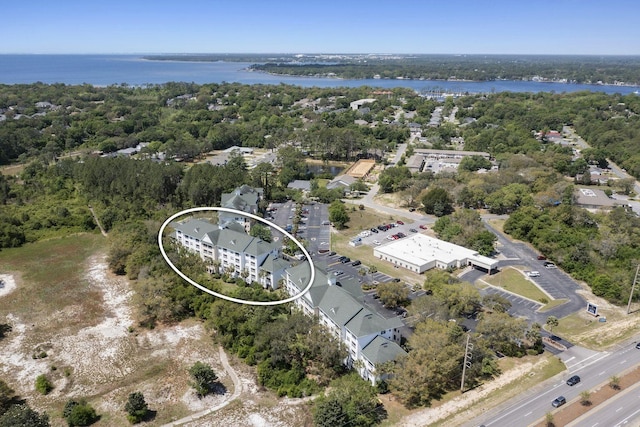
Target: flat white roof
x: 419, y: 249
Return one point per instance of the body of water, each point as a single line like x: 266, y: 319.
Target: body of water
x: 105, y: 70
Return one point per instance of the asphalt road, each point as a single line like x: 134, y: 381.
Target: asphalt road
x: 594, y: 369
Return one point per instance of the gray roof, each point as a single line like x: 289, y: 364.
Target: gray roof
x: 381, y: 350
x: 194, y: 227
x: 365, y: 322
x: 300, y: 184
x: 272, y: 264
x: 341, y: 181
x: 300, y: 275
x: 339, y: 305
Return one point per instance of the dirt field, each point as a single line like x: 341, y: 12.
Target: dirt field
x: 361, y: 168
x: 91, y: 347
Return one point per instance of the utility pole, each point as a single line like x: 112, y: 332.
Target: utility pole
x: 633, y: 288
x: 467, y: 361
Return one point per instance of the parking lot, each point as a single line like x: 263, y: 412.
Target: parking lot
x: 313, y: 227
x: 381, y: 237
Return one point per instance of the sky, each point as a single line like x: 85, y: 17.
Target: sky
x: 591, y: 27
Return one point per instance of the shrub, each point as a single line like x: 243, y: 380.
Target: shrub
x: 43, y: 385
x: 136, y: 407
x: 203, y: 378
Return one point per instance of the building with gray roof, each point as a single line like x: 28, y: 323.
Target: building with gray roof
x: 340, y: 307
x: 232, y: 251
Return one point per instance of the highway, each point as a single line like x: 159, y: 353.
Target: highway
x: 594, y: 368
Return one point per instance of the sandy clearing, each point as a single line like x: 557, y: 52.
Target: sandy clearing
x: 17, y: 362
x: 7, y: 284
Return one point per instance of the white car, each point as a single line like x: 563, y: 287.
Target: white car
x: 375, y: 242
x: 533, y: 273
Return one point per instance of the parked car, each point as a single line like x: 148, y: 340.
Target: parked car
x: 400, y: 222
x: 375, y: 242
x: 423, y: 227
x: 558, y: 401
x: 573, y: 380
x: 346, y: 260
x: 533, y: 273
x: 332, y: 253
x: 395, y: 279
x: 638, y: 346
x: 356, y: 263
x: 549, y: 265
x: 413, y: 230
x: 401, y: 235
x: 338, y: 272
x: 374, y: 230
x: 342, y: 258
x: 542, y: 257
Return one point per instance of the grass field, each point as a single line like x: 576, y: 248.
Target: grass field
x: 512, y: 280
x: 49, y: 272
x: 588, y: 331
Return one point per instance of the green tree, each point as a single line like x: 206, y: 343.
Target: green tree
x: 437, y: 202
x: 203, y: 378
x: 43, y: 385
x: 338, y: 214
x: 351, y: 401
x: 585, y: 398
x: 136, y: 407
x: 23, y: 416
x: 82, y: 415
x: 552, y: 322
x: 393, y: 294
x: 261, y: 231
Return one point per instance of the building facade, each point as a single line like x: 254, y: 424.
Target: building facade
x: 369, y: 338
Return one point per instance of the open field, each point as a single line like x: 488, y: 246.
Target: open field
x: 74, y: 321
x: 588, y: 331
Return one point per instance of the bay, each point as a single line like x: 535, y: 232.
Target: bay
x: 106, y: 70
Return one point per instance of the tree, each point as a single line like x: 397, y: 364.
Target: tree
x: 338, y: 214
x: 81, y: 414
x: 23, y: 416
x: 393, y: 294
x: 261, y: 231
x: 548, y: 418
x: 43, y: 385
x: 136, y: 407
x: 203, y: 378
x: 585, y: 398
x: 351, y: 401
x: 614, y: 382
x: 437, y: 202
x: 552, y: 322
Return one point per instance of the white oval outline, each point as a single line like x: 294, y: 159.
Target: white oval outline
x: 228, y: 298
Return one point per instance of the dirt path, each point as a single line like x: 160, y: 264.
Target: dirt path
x: 237, y: 388
x: 95, y: 217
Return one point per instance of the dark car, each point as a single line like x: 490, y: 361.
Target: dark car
x: 559, y: 401
x: 424, y: 227
x: 356, y: 263
x: 413, y: 230
x: 382, y: 228
x: 638, y: 345
x: 374, y: 230
x: 400, y: 222
x: 332, y: 253
x: 573, y: 380
x: 342, y: 258
x: 542, y: 257
x: 346, y: 260
x: 395, y: 280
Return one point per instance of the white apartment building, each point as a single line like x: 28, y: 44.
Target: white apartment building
x: 369, y: 338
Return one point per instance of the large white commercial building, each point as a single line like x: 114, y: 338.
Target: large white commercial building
x: 420, y: 253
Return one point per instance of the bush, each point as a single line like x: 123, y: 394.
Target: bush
x: 43, y: 385
x: 203, y: 378
x: 79, y: 413
x: 136, y: 407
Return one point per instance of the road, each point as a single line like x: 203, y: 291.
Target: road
x: 594, y: 368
